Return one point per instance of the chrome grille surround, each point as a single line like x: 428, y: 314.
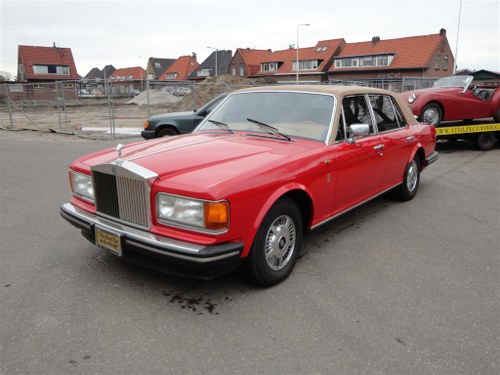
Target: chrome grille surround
x: 122, y: 192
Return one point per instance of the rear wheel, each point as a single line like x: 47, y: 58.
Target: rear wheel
x: 432, y: 114
x: 277, y: 244
x: 408, y: 189
x: 485, y: 141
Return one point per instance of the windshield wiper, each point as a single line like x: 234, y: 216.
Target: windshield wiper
x: 269, y: 129
x: 221, y: 125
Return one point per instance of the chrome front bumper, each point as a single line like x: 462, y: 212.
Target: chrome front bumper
x: 135, y: 240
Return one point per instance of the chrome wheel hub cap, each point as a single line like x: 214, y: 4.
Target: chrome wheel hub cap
x: 431, y: 116
x: 280, y: 243
x: 412, y: 177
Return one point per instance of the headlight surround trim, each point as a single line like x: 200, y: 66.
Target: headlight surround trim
x: 191, y: 213
x: 82, y: 186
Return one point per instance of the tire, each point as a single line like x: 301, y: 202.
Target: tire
x: 497, y: 117
x: 277, y: 244
x: 432, y: 114
x: 166, y: 132
x: 411, y: 180
x: 485, y: 141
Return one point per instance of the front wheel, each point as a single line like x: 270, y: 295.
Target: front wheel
x: 277, y: 244
x: 432, y: 114
x: 408, y: 189
x: 166, y: 132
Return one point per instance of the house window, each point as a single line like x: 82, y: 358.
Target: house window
x: 382, y: 60
x: 338, y: 63
x: 172, y: 75
x: 438, y: 59
x: 306, y: 65
x: 368, y: 61
x: 38, y: 86
x: 68, y: 86
x: 157, y: 65
x: 203, y: 72
x: 150, y: 76
x: 16, y: 88
x: 242, y: 70
x: 51, y: 69
x: 269, y: 67
x: 233, y: 70
x: 445, y: 63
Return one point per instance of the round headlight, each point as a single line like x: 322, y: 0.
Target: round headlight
x: 411, y: 98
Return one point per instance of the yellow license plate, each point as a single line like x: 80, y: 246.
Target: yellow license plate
x: 108, y: 241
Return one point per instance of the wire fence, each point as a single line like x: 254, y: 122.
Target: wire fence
x: 108, y: 108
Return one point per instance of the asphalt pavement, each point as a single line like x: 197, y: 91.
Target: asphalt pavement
x: 389, y: 288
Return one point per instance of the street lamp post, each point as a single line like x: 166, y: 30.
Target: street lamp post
x: 297, y: 52
x: 216, y: 53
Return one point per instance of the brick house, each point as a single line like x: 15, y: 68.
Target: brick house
x: 125, y: 80
x: 180, y: 69
x: 39, y: 68
x: 425, y: 56
x: 281, y: 65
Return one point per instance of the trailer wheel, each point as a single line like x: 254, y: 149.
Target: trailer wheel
x: 485, y: 141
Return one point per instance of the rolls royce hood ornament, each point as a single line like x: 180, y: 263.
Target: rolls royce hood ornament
x: 119, y: 150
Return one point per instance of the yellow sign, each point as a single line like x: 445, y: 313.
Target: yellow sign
x: 480, y: 128
x: 108, y: 241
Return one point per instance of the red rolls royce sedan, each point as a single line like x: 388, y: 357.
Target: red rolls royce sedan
x: 455, y: 98
x: 264, y: 168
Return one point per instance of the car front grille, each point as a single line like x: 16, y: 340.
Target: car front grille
x: 123, y: 198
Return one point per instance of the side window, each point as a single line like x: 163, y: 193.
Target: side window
x: 387, y: 115
x: 356, y: 111
x: 401, y: 120
x: 341, y: 129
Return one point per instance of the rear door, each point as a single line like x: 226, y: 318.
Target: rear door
x: 397, y: 136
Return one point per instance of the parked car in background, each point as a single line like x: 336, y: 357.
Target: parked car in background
x: 132, y: 93
x: 454, y: 98
x: 176, y: 123
x: 263, y: 168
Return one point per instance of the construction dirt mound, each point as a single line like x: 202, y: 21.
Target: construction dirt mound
x: 155, y: 97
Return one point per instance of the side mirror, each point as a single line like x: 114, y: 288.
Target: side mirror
x: 358, y: 130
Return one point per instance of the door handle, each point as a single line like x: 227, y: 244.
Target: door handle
x: 378, y: 147
x: 410, y: 138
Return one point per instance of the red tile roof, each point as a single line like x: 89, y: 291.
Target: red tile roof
x: 323, y: 52
x: 34, y: 55
x: 183, y: 67
x: 409, y: 52
x: 135, y: 73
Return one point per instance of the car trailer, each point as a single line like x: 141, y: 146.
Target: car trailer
x: 483, y: 134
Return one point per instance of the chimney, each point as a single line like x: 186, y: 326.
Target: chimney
x: 375, y: 39
x: 54, y: 44
x: 442, y: 32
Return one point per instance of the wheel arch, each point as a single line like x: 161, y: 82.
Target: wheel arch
x: 160, y: 127
x: 297, y: 194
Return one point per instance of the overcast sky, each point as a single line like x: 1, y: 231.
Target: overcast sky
x: 125, y: 33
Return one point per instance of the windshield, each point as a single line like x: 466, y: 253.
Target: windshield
x: 454, y: 81
x: 292, y: 114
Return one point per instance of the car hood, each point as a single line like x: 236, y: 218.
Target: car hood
x: 435, y: 91
x: 175, y: 115
x: 205, y: 162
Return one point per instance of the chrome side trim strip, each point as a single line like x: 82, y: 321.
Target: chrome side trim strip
x: 353, y: 207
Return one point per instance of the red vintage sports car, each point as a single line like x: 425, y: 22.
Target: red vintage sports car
x: 454, y: 98
x: 265, y: 167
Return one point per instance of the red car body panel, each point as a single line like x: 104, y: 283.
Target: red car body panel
x: 456, y: 103
x: 252, y: 171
